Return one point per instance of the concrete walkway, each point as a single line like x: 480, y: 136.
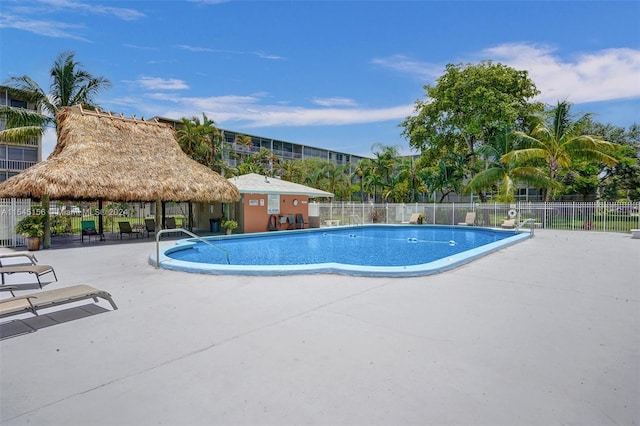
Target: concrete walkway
x: 545, y: 332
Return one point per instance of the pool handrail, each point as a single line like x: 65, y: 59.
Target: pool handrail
x: 166, y: 231
x: 524, y: 222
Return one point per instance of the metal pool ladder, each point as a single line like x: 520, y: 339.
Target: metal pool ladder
x: 166, y: 231
x: 531, y: 228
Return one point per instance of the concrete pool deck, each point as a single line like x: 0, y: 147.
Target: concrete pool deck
x: 543, y: 332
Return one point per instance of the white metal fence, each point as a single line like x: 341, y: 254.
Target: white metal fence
x: 594, y: 216
x: 66, y: 221
x: 11, y: 211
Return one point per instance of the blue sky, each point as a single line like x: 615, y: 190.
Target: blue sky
x: 338, y: 75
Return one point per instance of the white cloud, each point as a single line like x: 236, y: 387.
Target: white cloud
x: 326, y: 102
x: 29, y: 18
x: 400, y: 63
x: 138, y: 47
x: 41, y: 27
x: 586, y: 77
x: 249, y: 111
x: 601, y: 75
x: 157, y: 83
x: 268, y: 56
x: 69, y: 6
x: 233, y: 52
x: 194, y: 48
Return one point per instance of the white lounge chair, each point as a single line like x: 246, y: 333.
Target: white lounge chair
x: 508, y: 224
x: 414, y: 218
x: 49, y: 298
x: 469, y: 219
x: 37, y: 270
x: 16, y: 254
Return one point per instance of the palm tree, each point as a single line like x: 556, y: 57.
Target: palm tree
x: 359, y: 175
x: 446, y: 176
x: 558, y: 141
x: 383, y: 165
x: 408, y: 171
x: 246, y: 143
x: 21, y: 124
x: 202, y: 141
x: 70, y: 85
x: 504, y: 175
x: 291, y: 170
x: 397, y: 190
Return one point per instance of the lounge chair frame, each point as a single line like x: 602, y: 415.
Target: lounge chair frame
x: 469, y: 219
x: 509, y: 224
x: 49, y: 298
x: 413, y: 219
x: 89, y: 229
x: 30, y: 257
x: 37, y: 270
x: 125, y: 228
x: 299, y: 221
x: 150, y: 226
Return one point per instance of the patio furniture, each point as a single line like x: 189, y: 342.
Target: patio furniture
x: 170, y: 223
x: 30, y: 256
x: 125, y: 228
x: 37, y: 270
x: 150, y: 226
x: 273, y: 223
x: 508, y: 224
x: 413, y: 218
x: 469, y: 219
x: 287, y: 222
x: 89, y: 229
x: 50, y: 298
x: 300, y: 221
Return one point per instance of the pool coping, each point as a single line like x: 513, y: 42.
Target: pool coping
x: 435, y: 267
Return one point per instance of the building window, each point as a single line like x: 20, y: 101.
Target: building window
x: 17, y: 104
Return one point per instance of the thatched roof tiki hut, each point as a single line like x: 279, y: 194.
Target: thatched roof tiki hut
x: 100, y: 156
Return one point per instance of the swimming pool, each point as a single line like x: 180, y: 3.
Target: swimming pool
x: 370, y: 250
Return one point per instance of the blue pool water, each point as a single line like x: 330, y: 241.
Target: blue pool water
x: 378, y: 250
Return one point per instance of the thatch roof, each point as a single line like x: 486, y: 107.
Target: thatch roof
x: 253, y: 183
x: 105, y: 156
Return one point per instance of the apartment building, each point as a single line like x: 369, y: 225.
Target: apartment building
x: 283, y: 150
x: 15, y: 157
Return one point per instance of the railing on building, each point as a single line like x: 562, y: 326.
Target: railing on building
x: 15, y: 164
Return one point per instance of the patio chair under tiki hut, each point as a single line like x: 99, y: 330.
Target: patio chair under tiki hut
x: 100, y: 156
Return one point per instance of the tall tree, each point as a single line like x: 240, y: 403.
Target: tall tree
x: 446, y: 176
x: 202, y: 141
x: 21, y: 125
x: 408, y: 171
x: 558, y: 140
x: 360, y: 173
x: 70, y: 85
x: 621, y: 182
x: 383, y: 165
x: 504, y: 176
x: 468, y: 104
